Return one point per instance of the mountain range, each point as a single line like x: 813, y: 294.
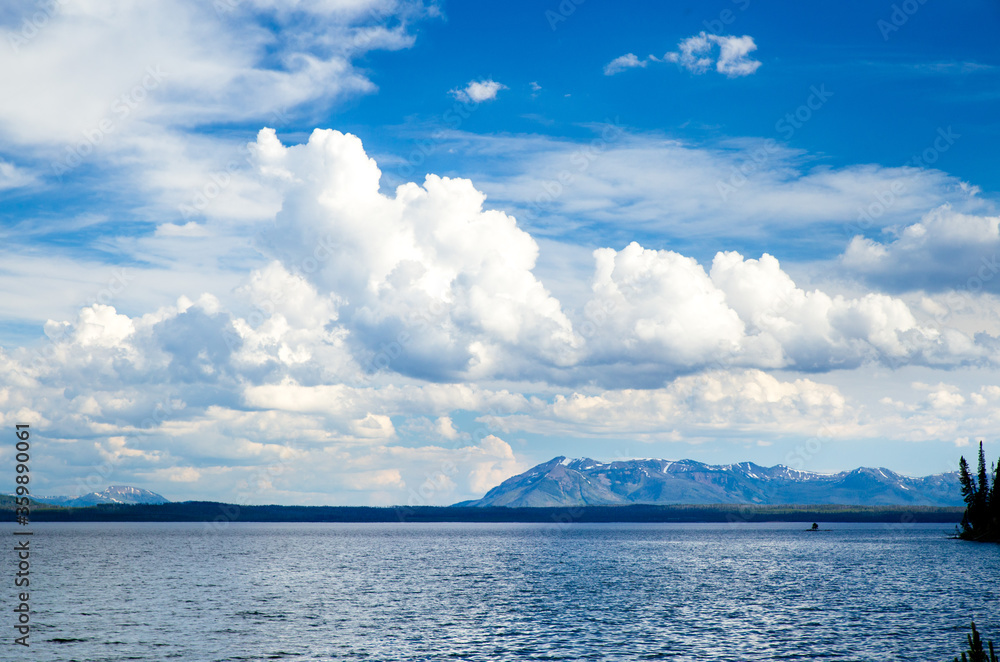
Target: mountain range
x: 115, y: 494
x: 575, y: 482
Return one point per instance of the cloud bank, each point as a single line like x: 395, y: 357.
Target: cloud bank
x: 336, y: 371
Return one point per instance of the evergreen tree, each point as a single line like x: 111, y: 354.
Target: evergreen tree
x: 982, y: 504
x: 983, y: 482
x: 969, y: 494
x: 993, y: 504
x: 976, y: 653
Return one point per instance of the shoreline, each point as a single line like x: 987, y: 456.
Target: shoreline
x: 216, y: 512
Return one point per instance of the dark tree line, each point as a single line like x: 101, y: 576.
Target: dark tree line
x: 981, y: 521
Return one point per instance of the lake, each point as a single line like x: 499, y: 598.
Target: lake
x: 157, y: 592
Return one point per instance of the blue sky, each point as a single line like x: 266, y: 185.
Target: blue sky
x: 380, y: 251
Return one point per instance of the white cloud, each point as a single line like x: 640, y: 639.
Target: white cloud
x: 156, y: 73
x: 384, y: 317
x: 696, y: 54
x: 658, y: 307
x: 752, y: 404
x: 189, y: 229
x: 659, y: 313
x: 378, y: 479
x: 168, y: 398
x: 817, y: 331
x: 431, y: 282
x: 264, y: 408
x: 445, y: 428
x: 695, y: 405
x: 498, y: 465
x: 623, y: 62
x: 183, y: 63
x: 944, y: 250
x: 747, y: 189
x: 733, y: 60
x: 12, y: 177
x: 179, y: 474
x: 478, y: 91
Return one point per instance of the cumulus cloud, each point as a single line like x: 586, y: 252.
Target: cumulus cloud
x: 817, y: 331
x: 346, y: 363
x: 174, y: 396
x: 623, y: 62
x: 478, y: 91
x: 697, y: 54
x: 944, y: 250
x: 195, y: 397
x: 661, y: 307
x: 431, y: 283
x: 661, y: 314
x: 337, y: 371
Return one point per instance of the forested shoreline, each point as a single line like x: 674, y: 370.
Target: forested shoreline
x: 209, y: 511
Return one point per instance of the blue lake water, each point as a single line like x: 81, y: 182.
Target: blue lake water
x: 144, y: 591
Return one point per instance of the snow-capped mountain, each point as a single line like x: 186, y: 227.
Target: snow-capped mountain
x: 115, y: 494
x: 567, y: 482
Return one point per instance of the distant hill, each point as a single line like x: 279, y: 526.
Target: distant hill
x: 122, y: 494
x: 566, y: 482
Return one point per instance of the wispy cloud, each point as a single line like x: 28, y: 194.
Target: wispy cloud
x: 623, y: 62
x: 12, y: 177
